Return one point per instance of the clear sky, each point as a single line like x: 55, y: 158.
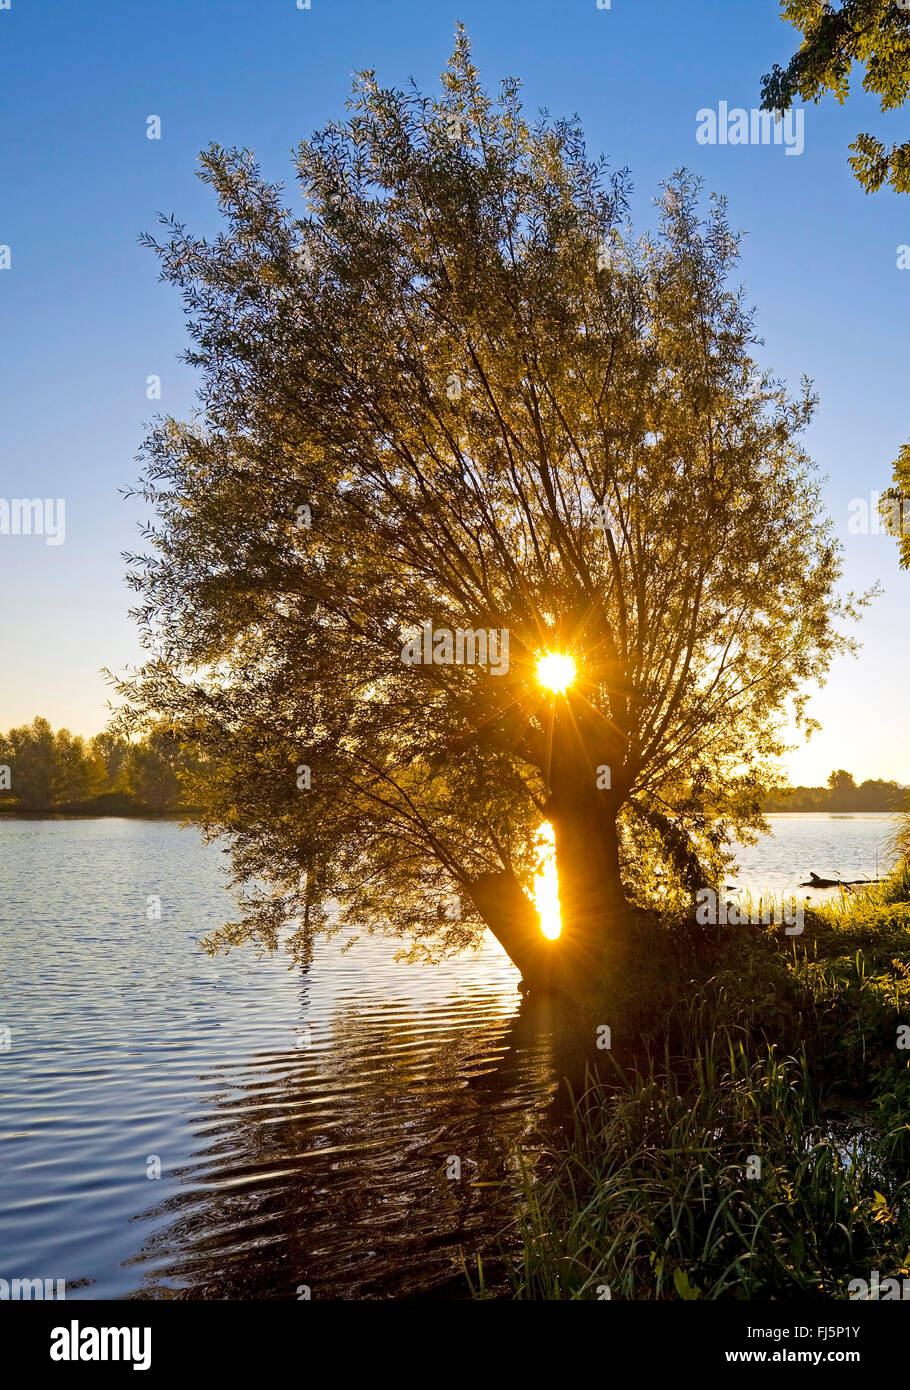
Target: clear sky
x: 84, y: 321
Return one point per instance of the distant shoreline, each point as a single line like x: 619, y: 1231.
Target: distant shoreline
x: 189, y: 812
x: 58, y: 813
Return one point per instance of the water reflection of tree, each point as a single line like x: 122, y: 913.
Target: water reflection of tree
x: 327, y: 1167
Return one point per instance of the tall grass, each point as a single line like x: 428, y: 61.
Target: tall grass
x: 759, y: 1148
x: 723, y: 1183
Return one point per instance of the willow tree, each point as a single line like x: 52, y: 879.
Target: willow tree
x: 452, y: 389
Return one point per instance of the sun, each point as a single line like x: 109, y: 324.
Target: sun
x: 555, y: 671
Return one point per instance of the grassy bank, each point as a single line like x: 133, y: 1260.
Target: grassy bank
x: 755, y: 1144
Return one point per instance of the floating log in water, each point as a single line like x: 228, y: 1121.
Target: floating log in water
x: 816, y: 882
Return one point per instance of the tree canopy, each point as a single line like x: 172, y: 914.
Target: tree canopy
x: 455, y: 388
x: 874, y: 33
x: 47, y: 768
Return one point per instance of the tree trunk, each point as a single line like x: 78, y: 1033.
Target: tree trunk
x: 597, y: 921
x: 596, y: 918
x: 513, y: 920
x: 594, y: 912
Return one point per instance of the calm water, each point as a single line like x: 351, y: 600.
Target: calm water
x: 302, y: 1120
x: 831, y: 846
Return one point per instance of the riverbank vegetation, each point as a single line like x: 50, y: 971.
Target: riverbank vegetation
x: 747, y: 1135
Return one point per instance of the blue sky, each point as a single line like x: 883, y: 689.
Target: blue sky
x: 85, y: 321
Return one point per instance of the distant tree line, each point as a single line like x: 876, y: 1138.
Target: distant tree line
x: 841, y: 794
x: 41, y: 770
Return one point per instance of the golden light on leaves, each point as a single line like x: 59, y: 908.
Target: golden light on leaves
x: 555, y: 671
x: 546, y: 884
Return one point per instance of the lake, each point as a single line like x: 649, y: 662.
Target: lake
x: 179, y: 1126
x: 832, y: 846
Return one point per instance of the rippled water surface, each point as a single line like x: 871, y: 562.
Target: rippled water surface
x: 303, y: 1121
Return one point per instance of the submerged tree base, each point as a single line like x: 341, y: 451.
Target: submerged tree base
x: 575, y: 964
